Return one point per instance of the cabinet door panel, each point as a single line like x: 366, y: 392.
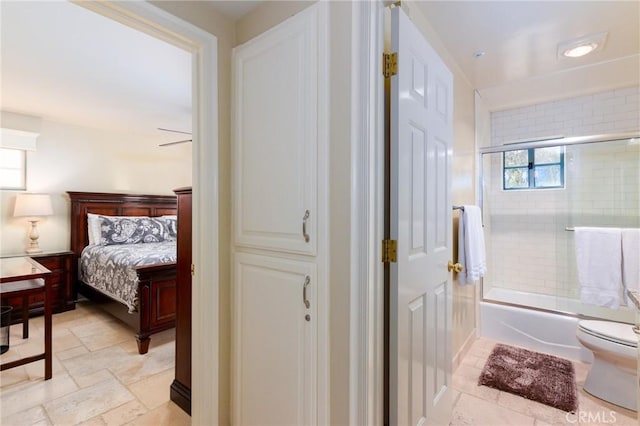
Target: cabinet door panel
x: 275, y: 345
x: 276, y: 137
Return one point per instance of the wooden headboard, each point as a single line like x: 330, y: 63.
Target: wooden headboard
x: 112, y: 205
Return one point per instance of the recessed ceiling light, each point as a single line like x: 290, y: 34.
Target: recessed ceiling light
x: 581, y: 46
x: 576, y: 52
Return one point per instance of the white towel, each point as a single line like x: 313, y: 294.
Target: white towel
x: 471, y: 250
x: 630, y: 262
x: 599, y: 261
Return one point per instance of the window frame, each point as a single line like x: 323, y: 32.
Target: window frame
x: 531, y: 168
x: 22, y: 168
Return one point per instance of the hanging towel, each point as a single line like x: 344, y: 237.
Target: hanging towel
x: 630, y: 262
x: 599, y: 261
x: 471, y: 250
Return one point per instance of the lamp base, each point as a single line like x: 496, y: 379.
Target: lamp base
x: 34, y: 247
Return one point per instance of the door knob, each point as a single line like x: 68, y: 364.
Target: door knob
x: 454, y: 267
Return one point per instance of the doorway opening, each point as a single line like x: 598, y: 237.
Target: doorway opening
x: 149, y: 19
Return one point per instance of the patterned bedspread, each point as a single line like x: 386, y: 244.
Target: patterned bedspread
x: 111, y: 269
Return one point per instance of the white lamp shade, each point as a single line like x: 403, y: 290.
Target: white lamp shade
x: 33, y: 205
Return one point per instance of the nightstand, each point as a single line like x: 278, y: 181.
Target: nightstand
x: 62, y: 279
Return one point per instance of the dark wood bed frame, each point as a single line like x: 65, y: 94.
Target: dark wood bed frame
x: 157, y: 283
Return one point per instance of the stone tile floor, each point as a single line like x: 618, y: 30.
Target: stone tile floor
x: 100, y: 379
x: 98, y: 376
x: 481, y: 405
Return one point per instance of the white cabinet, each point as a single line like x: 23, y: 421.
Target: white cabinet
x: 280, y: 227
x: 276, y: 137
x: 275, y: 340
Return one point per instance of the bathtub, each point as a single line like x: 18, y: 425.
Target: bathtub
x: 537, y: 330
x: 541, y: 330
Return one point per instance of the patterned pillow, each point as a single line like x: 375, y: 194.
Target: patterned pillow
x: 133, y: 230
x: 171, y: 223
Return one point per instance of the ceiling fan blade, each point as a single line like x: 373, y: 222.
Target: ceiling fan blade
x: 174, y: 131
x: 176, y: 142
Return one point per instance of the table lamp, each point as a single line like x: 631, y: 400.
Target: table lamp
x: 33, y: 207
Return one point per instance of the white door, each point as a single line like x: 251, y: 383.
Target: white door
x: 275, y: 341
x: 420, y: 293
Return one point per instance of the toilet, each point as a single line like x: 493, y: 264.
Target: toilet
x: 612, y: 376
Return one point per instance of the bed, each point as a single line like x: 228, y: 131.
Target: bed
x: 150, y: 307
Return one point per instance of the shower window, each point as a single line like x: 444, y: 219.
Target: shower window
x: 535, y: 168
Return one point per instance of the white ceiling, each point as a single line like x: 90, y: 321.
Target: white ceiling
x: 234, y: 9
x: 63, y: 62
x: 520, y: 39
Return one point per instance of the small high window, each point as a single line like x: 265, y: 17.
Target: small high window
x: 13, y: 169
x: 535, y: 168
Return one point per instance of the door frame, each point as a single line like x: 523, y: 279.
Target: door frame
x: 151, y: 20
x: 367, y: 215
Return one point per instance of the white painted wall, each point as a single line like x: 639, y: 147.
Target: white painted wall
x: 530, y: 250
x: 75, y: 158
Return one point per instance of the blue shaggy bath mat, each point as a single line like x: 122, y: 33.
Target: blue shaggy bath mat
x: 539, y: 377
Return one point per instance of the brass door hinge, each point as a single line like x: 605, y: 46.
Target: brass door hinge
x: 193, y: 269
x: 389, y: 64
x: 389, y: 251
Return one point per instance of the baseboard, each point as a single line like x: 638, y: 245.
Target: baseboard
x: 459, y: 356
x: 181, y: 395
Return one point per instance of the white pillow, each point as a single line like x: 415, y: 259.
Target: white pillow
x: 93, y: 228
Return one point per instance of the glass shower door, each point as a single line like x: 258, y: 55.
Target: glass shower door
x: 533, y: 196
x: 602, y: 191
x: 521, y: 227
x: 635, y: 298
x: 636, y: 329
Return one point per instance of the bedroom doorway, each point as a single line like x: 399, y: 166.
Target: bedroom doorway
x: 149, y: 19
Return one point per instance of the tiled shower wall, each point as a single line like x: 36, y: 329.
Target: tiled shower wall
x: 607, y: 112
x: 528, y: 247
